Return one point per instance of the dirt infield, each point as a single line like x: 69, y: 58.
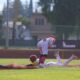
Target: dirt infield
x: 13, y: 53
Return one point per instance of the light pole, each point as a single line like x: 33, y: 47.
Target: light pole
x: 7, y: 27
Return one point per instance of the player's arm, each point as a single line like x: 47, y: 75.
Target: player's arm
x: 39, y: 47
x: 31, y: 66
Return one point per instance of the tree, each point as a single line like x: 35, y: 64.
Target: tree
x: 67, y: 12
x: 18, y: 10
x: 25, y: 21
x: 63, y: 15
x: 46, y: 8
x: 25, y: 26
x: 77, y: 19
x: 1, y: 17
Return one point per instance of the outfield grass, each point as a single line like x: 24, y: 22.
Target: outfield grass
x: 52, y: 73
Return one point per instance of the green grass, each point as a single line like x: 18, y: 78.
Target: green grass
x: 52, y: 73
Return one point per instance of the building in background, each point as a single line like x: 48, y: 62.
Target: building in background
x: 38, y: 28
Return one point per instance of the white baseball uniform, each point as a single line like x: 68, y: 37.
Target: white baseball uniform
x: 44, y: 46
x: 51, y: 40
x: 59, y: 63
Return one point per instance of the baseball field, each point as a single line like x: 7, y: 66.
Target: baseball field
x: 51, y: 73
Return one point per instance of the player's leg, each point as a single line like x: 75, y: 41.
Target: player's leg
x: 58, y: 57
x: 42, y: 60
x: 58, y: 63
x: 9, y: 66
x: 69, y: 60
x: 16, y: 66
x: 3, y: 67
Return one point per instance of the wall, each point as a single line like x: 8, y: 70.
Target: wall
x: 11, y: 53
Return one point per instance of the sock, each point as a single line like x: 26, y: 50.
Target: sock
x: 42, y: 60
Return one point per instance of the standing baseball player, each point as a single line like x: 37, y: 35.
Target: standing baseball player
x: 43, y: 46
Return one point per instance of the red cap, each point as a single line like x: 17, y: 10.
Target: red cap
x: 52, y: 37
x: 33, y: 58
